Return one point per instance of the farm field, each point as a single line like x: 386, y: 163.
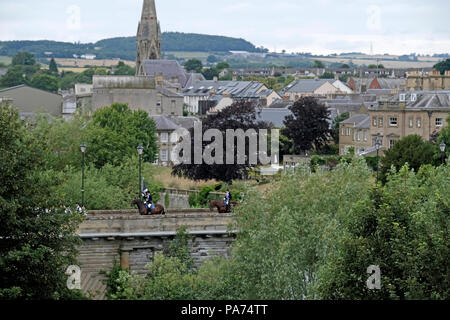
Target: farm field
x: 5, y: 60
x: 189, y: 55
x: 386, y: 63
x: 80, y: 63
x: 76, y: 70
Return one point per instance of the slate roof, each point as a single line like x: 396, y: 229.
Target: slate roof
x: 168, y: 68
x: 274, y: 116
x: 185, y: 122
x: 305, y: 85
x: 391, y: 83
x: 422, y: 100
x: 360, y: 121
x: 163, y: 123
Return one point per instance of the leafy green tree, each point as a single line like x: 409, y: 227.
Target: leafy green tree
x: 23, y: 59
x: 336, y: 123
x: 443, y: 66
x: 13, y: 77
x: 345, y: 66
x: 222, y: 66
x: 375, y: 66
x: 412, y: 150
x: 318, y: 64
x: 38, y: 237
x: 308, y: 126
x: 445, y: 138
x: 45, y: 82
x: 327, y: 75
x: 53, y: 67
x: 124, y: 70
x: 210, y: 73
x: 402, y: 228
x: 212, y: 59
x: 115, y: 132
x: 193, y: 65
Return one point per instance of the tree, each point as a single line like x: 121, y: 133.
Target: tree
x: 240, y: 115
x: 212, y: 59
x: 23, y: 59
x: 345, y: 66
x: 115, y: 132
x: 38, y: 238
x: 53, y: 67
x: 403, y: 229
x: 411, y: 150
x: 210, y: 73
x: 443, y: 66
x: 308, y: 126
x: 222, y: 66
x: 375, y: 66
x: 318, y: 64
x: 124, y: 70
x: 13, y: 77
x: 336, y: 124
x: 193, y: 65
x: 327, y: 75
x: 45, y: 82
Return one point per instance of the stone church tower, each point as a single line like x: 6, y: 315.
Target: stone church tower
x: 148, y: 37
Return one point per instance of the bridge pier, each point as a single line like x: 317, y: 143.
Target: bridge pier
x: 131, y: 241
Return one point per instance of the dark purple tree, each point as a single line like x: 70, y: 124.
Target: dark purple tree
x: 308, y: 126
x: 240, y: 115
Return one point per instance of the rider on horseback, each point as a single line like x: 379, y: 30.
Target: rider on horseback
x: 227, y: 200
x: 148, y: 199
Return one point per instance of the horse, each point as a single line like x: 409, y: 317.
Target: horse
x: 219, y: 205
x: 159, y: 209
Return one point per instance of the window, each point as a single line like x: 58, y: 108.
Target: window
x: 419, y: 123
x: 439, y: 122
x: 164, y: 155
x: 374, y: 121
x: 402, y: 97
x: 411, y: 122
x: 348, y: 131
x: 164, y: 137
x: 391, y: 143
x: 359, y: 135
x: 343, y: 131
x: 393, y: 121
x: 365, y: 135
x: 380, y: 120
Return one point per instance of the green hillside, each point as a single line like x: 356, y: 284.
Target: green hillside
x: 125, y: 47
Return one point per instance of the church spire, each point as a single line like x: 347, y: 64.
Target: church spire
x: 148, y: 37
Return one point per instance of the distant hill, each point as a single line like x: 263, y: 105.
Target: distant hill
x: 125, y: 47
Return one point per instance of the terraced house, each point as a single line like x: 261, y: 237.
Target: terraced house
x: 422, y: 113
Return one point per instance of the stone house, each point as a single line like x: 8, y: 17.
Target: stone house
x: 432, y: 81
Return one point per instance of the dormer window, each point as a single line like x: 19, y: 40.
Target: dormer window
x: 413, y: 97
x: 402, y: 97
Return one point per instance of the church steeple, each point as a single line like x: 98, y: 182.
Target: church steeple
x: 148, y: 37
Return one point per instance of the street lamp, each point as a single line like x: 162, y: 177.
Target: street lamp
x: 140, y: 150
x: 83, y: 151
x: 377, y: 146
x: 443, y: 146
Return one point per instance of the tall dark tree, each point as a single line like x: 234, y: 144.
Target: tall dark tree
x: 193, y: 65
x: 53, y: 67
x: 308, y: 126
x: 443, y: 66
x: 411, y: 150
x: 240, y: 115
x: 23, y: 59
x: 38, y: 239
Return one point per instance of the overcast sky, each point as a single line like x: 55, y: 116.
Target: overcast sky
x: 317, y: 26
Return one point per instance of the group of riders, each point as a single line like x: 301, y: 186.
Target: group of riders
x: 148, y: 200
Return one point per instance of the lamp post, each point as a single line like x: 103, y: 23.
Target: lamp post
x: 442, y: 146
x: 377, y: 146
x: 140, y: 150
x: 83, y: 151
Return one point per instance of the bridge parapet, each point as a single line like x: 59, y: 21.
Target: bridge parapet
x: 126, y: 238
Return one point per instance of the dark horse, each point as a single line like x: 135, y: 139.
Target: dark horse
x: 220, y: 206
x: 159, y: 209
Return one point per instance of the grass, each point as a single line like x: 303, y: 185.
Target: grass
x: 6, y: 60
x: 164, y: 176
x: 189, y: 55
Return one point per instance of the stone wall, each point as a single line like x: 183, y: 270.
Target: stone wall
x: 127, y: 239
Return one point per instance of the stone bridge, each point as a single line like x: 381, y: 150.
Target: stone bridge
x: 127, y: 239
